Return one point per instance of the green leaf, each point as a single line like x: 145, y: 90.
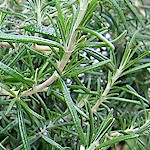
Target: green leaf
x: 19, y: 15
x: 61, y: 22
x: 73, y: 66
x: 72, y: 61
x: 30, y: 61
x: 126, y: 56
x: 73, y: 112
x: 77, y: 109
x: 120, y: 12
x: 42, y: 29
x: 143, y: 128
x: 87, y: 44
x: 17, y: 57
x: 117, y: 140
x: 43, y: 105
x: 36, y: 53
x: 11, y: 104
x: 125, y: 100
x: 100, y: 57
x: 97, y: 34
x: 9, y: 127
x: 120, y: 37
x: 52, y: 142
x: 28, y: 39
x: 89, y: 13
x: 32, y: 139
x: 15, y: 74
x: 132, y: 70
x: 54, y: 27
x: 81, y: 112
x: 79, y: 87
x: 84, y: 69
x: 25, y: 106
x: 104, y: 127
x: 132, y: 62
x: 7, y: 89
x: 134, y: 11
x: 91, y: 122
x: 143, y: 37
x: 22, y: 130
x: 133, y: 93
x: 2, y: 147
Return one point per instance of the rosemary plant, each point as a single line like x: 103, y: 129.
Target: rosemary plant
x: 74, y: 75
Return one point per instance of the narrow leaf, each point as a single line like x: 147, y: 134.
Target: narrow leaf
x: 25, y: 106
x: 11, y: 104
x: 17, y: 57
x: 120, y: 12
x: 100, y: 57
x: 117, y: 140
x: 133, y: 93
x: 32, y: 139
x: 6, y: 89
x: 100, y: 36
x: 104, y: 127
x: 120, y: 37
x: 2, y: 147
x: 22, y: 130
x: 52, y: 142
x: 84, y: 69
x: 91, y: 121
x: 73, y: 111
x: 15, y: 74
x: 61, y: 21
x: 125, y: 100
x: 134, y: 11
x: 143, y: 37
x: 130, y: 63
x: 9, y: 127
x: 28, y: 39
x: 143, y: 128
x: 136, y: 68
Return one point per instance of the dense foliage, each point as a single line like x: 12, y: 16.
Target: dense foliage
x: 74, y: 74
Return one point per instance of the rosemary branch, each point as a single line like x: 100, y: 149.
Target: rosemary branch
x: 67, y: 53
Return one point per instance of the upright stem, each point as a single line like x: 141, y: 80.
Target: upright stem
x: 39, y: 15
x: 67, y: 53
x: 107, y: 89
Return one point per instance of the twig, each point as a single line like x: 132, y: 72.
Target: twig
x: 107, y: 89
x: 68, y: 51
x: 4, y: 92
